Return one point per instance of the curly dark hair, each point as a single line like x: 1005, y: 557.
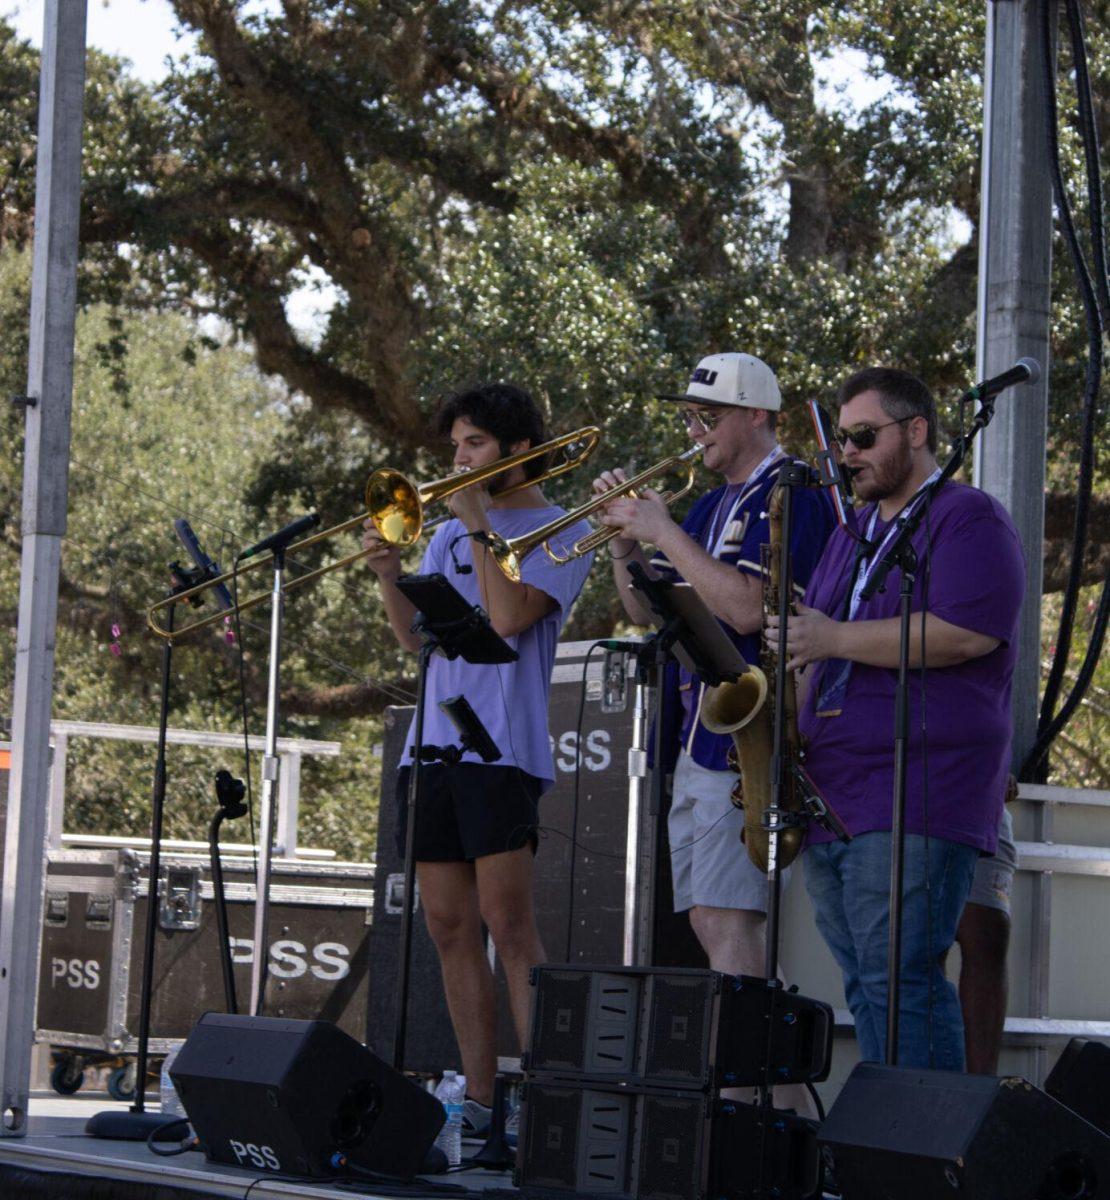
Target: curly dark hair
x: 504, y: 410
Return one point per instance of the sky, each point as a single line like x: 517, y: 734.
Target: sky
x: 138, y: 30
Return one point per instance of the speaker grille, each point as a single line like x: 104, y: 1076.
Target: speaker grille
x: 552, y: 1117
x: 678, y: 1027
x: 672, y: 1147
x: 562, y: 1011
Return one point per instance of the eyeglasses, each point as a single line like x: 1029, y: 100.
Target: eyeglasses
x: 706, y: 419
x: 863, y: 436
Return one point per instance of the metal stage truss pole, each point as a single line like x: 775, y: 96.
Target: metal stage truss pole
x: 271, y: 769
x: 1015, y: 258
x: 45, y: 493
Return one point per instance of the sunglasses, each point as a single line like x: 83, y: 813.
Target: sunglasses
x: 864, y: 436
x: 706, y: 419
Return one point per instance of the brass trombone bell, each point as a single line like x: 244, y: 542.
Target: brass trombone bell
x: 396, y: 505
x: 510, y: 553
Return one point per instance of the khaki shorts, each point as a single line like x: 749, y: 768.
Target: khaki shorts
x: 709, y: 864
x: 993, y: 884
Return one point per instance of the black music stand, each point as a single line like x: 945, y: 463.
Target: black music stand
x: 689, y: 633
x: 448, y: 624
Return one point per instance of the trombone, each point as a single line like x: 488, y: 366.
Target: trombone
x: 510, y: 553
x: 396, y: 507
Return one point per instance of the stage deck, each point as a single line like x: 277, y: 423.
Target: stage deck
x: 57, y: 1159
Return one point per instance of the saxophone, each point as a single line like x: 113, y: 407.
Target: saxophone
x: 745, y: 709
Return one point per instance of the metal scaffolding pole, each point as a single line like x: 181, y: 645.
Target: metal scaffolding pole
x: 45, y: 489
x: 1015, y: 258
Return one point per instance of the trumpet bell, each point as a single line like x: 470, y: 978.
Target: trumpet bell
x: 395, y: 506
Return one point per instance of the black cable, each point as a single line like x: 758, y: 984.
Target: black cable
x: 187, y: 1144
x: 1048, y: 725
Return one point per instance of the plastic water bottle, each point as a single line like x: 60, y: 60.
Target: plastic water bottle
x: 171, y: 1101
x: 451, y: 1093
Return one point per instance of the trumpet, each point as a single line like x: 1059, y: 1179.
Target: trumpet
x: 510, y: 553
x: 396, y: 507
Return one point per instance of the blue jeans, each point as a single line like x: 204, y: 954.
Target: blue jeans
x: 850, y: 889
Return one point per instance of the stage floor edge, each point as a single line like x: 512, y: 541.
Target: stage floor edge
x: 56, y: 1149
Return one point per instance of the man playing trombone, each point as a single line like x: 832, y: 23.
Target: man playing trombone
x: 476, y: 829
x: 730, y: 409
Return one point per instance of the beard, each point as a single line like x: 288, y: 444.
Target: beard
x: 884, y: 476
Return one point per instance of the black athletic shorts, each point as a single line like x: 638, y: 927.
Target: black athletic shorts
x: 469, y: 810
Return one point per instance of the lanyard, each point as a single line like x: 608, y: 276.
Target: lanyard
x: 716, y: 538
x: 864, y: 565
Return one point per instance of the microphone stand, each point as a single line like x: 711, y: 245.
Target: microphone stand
x: 901, y: 554
x: 136, y: 1124
x: 690, y: 633
x: 651, y: 667
x: 784, y: 773
x: 229, y: 793
x: 270, y: 771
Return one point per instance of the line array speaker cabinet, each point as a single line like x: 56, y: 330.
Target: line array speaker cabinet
x: 273, y: 1094
x: 674, y: 1028
x: 1081, y: 1080
x: 620, y: 1143
x: 905, y: 1134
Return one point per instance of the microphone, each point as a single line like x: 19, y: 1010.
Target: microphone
x: 1025, y: 370
x: 280, y: 540
x: 209, y: 569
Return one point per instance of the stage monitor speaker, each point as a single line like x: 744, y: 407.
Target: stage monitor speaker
x: 272, y: 1094
x: 906, y: 1134
x: 675, y: 1028
x: 1081, y: 1080
x: 639, y: 1144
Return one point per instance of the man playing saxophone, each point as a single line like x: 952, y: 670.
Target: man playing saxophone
x: 967, y: 595
x: 730, y: 408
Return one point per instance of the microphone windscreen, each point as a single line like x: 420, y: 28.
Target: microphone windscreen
x: 1032, y: 366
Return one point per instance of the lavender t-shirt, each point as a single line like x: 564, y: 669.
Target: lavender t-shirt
x: 973, y: 576
x: 509, y: 698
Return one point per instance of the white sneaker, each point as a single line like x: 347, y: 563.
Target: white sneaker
x: 476, y: 1118
x: 512, y: 1125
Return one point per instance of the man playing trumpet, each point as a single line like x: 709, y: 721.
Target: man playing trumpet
x: 730, y: 408
x: 476, y: 826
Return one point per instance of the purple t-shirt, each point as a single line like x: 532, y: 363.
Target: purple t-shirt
x: 973, y: 575
x: 510, y: 699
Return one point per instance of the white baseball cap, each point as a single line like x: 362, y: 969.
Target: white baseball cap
x: 736, y: 380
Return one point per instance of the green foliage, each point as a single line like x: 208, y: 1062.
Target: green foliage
x: 191, y: 425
